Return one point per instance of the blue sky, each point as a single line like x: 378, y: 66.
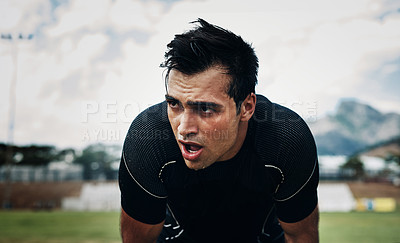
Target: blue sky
x: 93, y: 65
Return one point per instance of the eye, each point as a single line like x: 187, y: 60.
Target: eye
x: 205, y: 109
x: 173, y: 104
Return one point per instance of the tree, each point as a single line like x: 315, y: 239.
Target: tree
x: 393, y: 158
x: 96, y: 160
x: 355, y: 165
x: 28, y: 155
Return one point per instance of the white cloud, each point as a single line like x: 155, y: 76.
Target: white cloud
x: 24, y: 17
x: 50, y: 68
x: 87, y: 48
x: 10, y: 16
x: 89, y: 14
x: 141, y: 15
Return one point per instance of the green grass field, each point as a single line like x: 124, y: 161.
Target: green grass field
x: 360, y: 227
x: 93, y: 227
x: 59, y: 227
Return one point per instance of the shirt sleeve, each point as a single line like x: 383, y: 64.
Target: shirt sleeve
x: 302, y: 203
x: 296, y: 195
x: 286, y: 145
x: 137, y: 202
x: 143, y: 195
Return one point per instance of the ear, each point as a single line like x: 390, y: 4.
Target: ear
x: 248, y: 106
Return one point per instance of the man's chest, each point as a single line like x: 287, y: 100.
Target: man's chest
x: 229, y: 198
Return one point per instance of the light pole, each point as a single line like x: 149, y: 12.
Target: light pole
x: 11, y: 114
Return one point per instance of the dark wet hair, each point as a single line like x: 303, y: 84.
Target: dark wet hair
x: 209, y: 45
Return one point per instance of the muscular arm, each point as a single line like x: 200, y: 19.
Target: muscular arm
x: 135, y: 231
x: 305, y: 230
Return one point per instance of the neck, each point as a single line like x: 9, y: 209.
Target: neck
x: 242, y: 132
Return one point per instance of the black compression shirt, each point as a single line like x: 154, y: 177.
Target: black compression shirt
x: 274, y: 173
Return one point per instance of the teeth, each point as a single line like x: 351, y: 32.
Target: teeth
x: 190, y: 150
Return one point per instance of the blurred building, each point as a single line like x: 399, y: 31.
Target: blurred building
x: 54, y: 171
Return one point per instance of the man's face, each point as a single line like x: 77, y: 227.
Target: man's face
x: 203, y: 117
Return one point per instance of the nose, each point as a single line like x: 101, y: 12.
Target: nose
x: 188, y: 124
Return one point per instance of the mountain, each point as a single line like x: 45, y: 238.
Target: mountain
x: 384, y: 149
x: 353, y: 127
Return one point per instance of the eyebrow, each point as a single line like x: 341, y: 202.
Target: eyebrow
x: 170, y: 98
x: 195, y: 103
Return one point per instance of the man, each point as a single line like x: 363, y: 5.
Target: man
x: 215, y: 162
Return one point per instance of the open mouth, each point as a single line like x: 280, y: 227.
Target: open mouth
x: 190, y: 150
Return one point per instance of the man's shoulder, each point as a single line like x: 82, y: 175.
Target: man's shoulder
x: 155, y: 115
x: 151, y: 124
x: 149, y: 133
x: 285, y: 144
x: 276, y: 127
x: 148, y: 147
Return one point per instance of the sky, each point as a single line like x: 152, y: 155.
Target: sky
x: 93, y: 65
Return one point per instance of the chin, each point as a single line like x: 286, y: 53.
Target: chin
x: 196, y: 165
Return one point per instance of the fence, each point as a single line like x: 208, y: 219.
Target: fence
x: 41, y: 173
